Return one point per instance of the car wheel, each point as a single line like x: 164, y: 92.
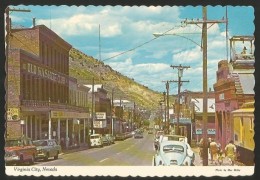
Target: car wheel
x: 21, y: 160
x: 57, y: 155
x: 46, y: 157
x: 32, y: 159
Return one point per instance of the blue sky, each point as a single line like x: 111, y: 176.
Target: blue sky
x: 124, y: 28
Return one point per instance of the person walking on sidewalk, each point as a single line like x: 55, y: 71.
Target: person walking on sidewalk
x: 213, y: 146
x: 230, y: 150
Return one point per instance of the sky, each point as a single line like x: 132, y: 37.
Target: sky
x: 105, y: 32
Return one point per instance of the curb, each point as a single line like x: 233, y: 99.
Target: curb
x: 65, y: 151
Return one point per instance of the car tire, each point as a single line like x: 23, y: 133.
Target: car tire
x: 57, y: 155
x: 32, y: 160
x: 21, y: 160
x: 46, y: 157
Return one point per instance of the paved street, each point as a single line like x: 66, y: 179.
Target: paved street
x: 130, y: 152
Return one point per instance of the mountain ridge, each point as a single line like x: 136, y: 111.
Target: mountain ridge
x: 84, y: 68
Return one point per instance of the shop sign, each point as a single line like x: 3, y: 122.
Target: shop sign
x: 209, y: 131
x: 100, y: 115
x: 67, y: 114
x: 99, y: 124
x: 13, y: 114
x: 45, y: 73
x: 198, y: 131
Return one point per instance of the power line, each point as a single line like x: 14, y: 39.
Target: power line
x: 138, y: 46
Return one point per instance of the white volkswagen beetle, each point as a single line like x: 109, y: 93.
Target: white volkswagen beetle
x: 172, y: 153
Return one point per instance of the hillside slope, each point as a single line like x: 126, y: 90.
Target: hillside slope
x: 84, y: 68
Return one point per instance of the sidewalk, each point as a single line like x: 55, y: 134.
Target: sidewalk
x: 199, y: 162
x: 74, y: 149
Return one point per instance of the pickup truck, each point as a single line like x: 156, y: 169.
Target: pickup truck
x: 19, y: 151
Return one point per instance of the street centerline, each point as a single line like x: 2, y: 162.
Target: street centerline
x: 104, y: 159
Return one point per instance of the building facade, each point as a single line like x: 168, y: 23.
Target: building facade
x: 40, y: 91
x: 234, y: 86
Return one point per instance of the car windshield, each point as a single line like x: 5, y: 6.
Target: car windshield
x: 94, y: 137
x: 11, y: 143
x: 173, y: 148
x: 40, y: 143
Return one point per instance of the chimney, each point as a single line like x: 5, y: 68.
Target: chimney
x: 34, y: 22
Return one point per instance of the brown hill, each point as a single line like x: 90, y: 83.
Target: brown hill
x: 84, y: 68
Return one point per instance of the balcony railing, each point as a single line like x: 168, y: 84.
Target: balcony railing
x: 52, y: 105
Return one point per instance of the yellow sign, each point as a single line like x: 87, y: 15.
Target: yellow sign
x: 66, y: 114
x: 13, y: 114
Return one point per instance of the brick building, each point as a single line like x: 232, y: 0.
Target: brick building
x: 40, y: 92
x: 234, y: 86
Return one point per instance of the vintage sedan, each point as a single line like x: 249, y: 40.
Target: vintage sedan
x: 111, y: 138
x: 47, y: 148
x: 19, y: 151
x: 172, y: 153
x: 138, y: 134
x: 105, y: 140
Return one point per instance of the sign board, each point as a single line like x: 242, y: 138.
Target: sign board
x: 68, y: 114
x: 13, y: 113
x: 100, y: 115
x: 209, y: 131
x: 198, y: 131
x: 99, y: 124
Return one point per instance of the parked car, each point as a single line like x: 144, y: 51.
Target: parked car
x: 47, y: 148
x: 105, y: 140
x: 150, y: 131
x: 96, y: 140
x: 111, y: 138
x: 172, y: 153
x: 138, y: 134
x: 120, y: 137
x: 19, y: 151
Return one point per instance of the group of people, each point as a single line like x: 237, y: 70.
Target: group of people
x: 215, y: 151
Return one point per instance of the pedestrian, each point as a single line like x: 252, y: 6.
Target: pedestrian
x: 214, y: 151
x: 244, y: 50
x: 201, y: 145
x: 230, y: 151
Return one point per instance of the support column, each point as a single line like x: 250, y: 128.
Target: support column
x: 31, y: 134
x: 67, y: 133
x: 35, y: 128
x: 49, y: 131
x: 58, y: 131
x: 26, y: 126
x: 84, y: 131
x: 79, y: 132
x: 40, y: 128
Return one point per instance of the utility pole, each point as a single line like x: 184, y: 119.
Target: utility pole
x: 92, y: 106
x: 167, y: 107
x: 180, y: 74
x: 112, y: 112
x: 164, y: 100
x: 134, y: 114
x: 204, y: 23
